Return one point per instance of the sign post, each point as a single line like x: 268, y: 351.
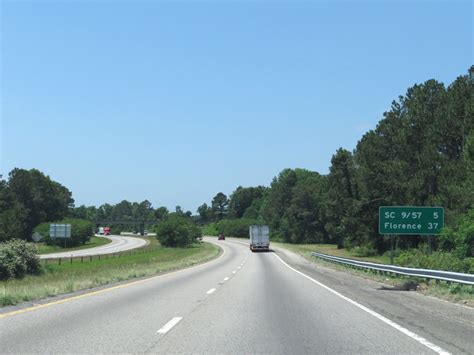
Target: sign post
x: 410, y: 220
x: 391, y: 248
x: 60, y: 231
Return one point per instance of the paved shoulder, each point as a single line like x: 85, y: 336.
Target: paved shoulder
x: 118, y: 244
x: 446, y: 324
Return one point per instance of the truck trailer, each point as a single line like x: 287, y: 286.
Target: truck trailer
x: 259, y: 238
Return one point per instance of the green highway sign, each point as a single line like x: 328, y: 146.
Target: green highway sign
x: 410, y: 220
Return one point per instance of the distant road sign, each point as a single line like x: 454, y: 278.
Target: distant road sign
x: 36, y: 237
x: 410, y: 220
x: 60, y: 230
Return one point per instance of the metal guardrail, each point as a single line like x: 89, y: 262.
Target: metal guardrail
x: 467, y: 279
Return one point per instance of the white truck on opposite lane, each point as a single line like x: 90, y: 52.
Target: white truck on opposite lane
x: 259, y: 238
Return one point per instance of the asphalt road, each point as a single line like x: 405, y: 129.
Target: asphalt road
x: 118, y: 244
x: 242, y: 302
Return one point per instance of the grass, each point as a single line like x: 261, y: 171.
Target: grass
x: 94, y: 242
x: 448, y: 291
x: 60, y: 279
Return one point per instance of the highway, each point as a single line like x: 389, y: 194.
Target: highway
x: 118, y: 244
x: 243, y: 303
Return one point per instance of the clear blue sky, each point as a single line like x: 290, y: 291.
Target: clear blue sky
x: 174, y: 102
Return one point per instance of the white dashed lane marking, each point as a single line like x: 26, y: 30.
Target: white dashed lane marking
x: 167, y: 327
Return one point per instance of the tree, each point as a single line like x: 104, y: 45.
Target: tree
x: 29, y: 198
x: 242, y: 198
x: 105, y: 212
x: 205, y: 213
x: 177, y: 231
x: 343, y: 201
x: 219, y: 205
x: 123, y: 211
x: 143, y: 211
x: 82, y: 212
x: 161, y: 213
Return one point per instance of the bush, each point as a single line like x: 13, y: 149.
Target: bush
x: 17, y: 258
x: 209, y: 229
x: 364, y: 250
x: 177, y: 231
x: 236, y: 227
x: 460, y: 239
x: 438, y: 260
x: 81, y: 232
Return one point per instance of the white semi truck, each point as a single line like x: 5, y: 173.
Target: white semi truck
x: 259, y: 238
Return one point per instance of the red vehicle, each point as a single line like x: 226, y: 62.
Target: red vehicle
x: 106, y: 230
x: 221, y: 237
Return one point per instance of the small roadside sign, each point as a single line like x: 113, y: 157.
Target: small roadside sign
x: 36, y: 237
x: 60, y: 231
x: 411, y: 220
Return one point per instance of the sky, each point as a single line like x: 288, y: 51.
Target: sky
x: 176, y: 101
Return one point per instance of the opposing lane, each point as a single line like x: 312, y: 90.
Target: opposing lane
x: 118, y: 244
x: 120, y: 320
x: 257, y: 305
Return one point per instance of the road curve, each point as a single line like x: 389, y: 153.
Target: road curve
x: 241, y: 302
x: 118, y: 244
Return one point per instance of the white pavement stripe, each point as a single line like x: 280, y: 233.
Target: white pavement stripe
x: 167, y: 327
x: 398, y: 327
x: 210, y: 291
x: 226, y: 279
x: 234, y: 272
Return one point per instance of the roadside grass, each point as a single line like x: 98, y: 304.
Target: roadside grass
x: 69, y: 277
x: 93, y: 243
x: 453, y: 292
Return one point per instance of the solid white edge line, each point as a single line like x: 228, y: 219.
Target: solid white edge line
x: 167, y: 327
x: 210, y: 291
x: 398, y: 327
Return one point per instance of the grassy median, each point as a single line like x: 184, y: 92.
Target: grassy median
x: 93, y: 243
x: 68, y: 277
x: 453, y: 292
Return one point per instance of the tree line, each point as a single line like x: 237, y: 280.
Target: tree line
x: 29, y: 198
x: 421, y: 153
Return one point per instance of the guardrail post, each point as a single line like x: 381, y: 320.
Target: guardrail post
x: 82, y: 259
x: 391, y: 249
x: 90, y: 258
x: 59, y: 261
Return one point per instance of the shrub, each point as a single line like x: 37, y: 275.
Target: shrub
x: 81, y: 232
x: 459, y: 239
x: 17, y: 258
x: 209, y: 229
x: 364, y: 250
x: 438, y: 260
x: 177, y: 231
x: 236, y: 227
